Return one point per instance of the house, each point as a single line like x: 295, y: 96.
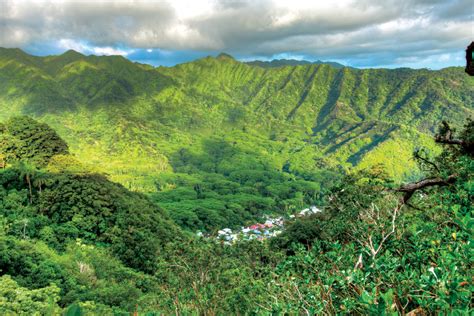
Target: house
x: 308, y: 211
x: 314, y: 209
x: 269, y: 223
x: 225, y: 231
x: 273, y: 226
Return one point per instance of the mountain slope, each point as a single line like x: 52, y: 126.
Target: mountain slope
x: 130, y: 120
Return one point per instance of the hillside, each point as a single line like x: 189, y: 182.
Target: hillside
x: 344, y: 114
x: 74, y: 243
x: 217, y: 143
x: 231, y: 128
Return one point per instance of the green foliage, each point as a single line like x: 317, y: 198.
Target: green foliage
x: 73, y: 310
x: 91, y: 208
x: 202, y: 277
x: 425, y: 265
x: 219, y: 117
x: 231, y: 197
x: 130, y: 120
x: 220, y: 143
x: 17, y: 300
x: 86, y: 274
x: 22, y: 138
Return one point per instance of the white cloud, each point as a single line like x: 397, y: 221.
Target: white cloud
x: 71, y: 44
x: 84, y: 48
x: 190, y: 9
x: 366, y: 31
x: 110, y: 51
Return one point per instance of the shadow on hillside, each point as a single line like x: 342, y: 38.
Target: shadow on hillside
x: 376, y: 140
x: 323, y: 119
x: 216, y: 155
x: 93, y: 89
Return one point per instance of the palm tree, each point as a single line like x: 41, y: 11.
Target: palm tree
x: 27, y: 171
x: 25, y: 222
x: 40, y: 180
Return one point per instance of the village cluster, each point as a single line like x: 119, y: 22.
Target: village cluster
x: 273, y: 226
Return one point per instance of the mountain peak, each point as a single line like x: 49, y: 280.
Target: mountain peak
x: 12, y: 51
x: 224, y: 56
x: 72, y: 53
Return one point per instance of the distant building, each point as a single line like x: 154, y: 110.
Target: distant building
x: 308, y: 211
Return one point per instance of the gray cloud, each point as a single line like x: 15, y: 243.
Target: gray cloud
x: 100, y: 22
x: 255, y: 24
x: 364, y: 32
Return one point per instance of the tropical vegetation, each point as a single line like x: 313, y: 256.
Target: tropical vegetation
x: 108, y: 168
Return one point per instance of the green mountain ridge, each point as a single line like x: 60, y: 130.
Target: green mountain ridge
x: 218, y: 143
x: 129, y: 119
x: 292, y: 62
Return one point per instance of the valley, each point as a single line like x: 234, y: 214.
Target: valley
x: 190, y: 190
x: 201, y: 134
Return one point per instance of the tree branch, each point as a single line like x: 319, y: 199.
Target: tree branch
x: 449, y: 141
x: 426, y: 160
x: 410, y: 188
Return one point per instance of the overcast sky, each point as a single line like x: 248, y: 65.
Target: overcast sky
x: 359, y: 33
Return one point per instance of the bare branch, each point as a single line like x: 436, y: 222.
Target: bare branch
x: 450, y: 141
x: 410, y: 188
x: 359, y: 264
x: 426, y: 160
x: 426, y: 183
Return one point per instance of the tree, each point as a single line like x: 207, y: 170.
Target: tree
x: 16, y: 300
x: 465, y: 141
x: 24, y: 138
x: 27, y: 171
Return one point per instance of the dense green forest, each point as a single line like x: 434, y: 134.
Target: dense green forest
x: 79, y: 243
x: 108, y: 168
x: 218, y: 142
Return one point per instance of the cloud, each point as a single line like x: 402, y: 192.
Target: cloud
x: 362, y: 33
x: 85, y: 48
x: 157, y: 57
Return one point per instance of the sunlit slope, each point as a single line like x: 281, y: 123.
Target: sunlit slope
x: 130, y: 120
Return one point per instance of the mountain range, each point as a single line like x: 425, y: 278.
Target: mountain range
x: 134, y: 121
x: 125, y: 188
x: 292, y: 62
